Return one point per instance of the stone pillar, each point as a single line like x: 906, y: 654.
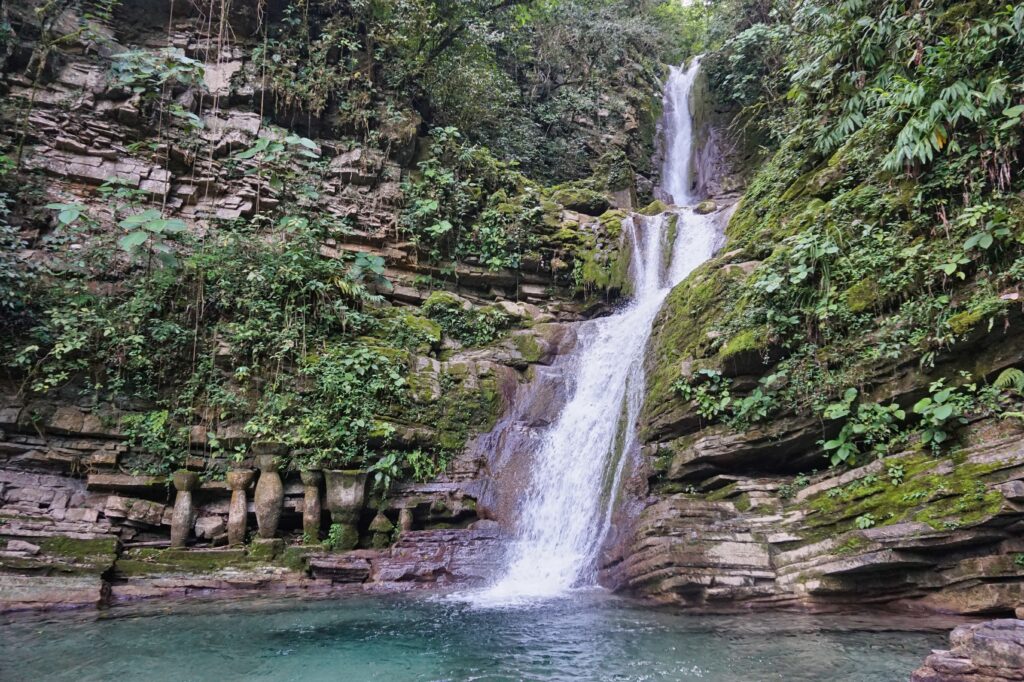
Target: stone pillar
x: 184, y: 510
x: 239, y: 481
x: 405, y: 520
x: 382, y: 530
x: 311, y: 510
x: 345, y: 495
x: 269, y: 498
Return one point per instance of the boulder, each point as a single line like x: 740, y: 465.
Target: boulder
x: 23, y: 547
x: 984, y: 652
x: 705, y: 207
x: 209, y: 527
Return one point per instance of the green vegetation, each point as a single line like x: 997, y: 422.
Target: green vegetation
x: 892, y: 237
x: 463, y: 204
x: 199, y: 336
x: 516, y: 76
x: 942, y: 493
x: 462, y: 322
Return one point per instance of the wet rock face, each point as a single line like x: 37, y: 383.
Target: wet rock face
x: 728, y: 518
x: 944, y: 537
x: 985, y: 652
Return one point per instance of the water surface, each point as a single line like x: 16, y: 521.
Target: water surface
x: 588, y: 636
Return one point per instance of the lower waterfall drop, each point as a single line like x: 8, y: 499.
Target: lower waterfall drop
x: 565, y: 515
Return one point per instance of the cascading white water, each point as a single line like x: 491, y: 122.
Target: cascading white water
x: 566, y: 514
x: 677, y: 178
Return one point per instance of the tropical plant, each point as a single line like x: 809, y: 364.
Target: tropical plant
x: 152, y: 235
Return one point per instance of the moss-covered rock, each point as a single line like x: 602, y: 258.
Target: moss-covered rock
x: 466, y: 402
x: 944, y: 493
x: 144, y: 562
x: 611, y: 223
x: 681, y: 332
x: 527, y: 345
x: 746, y: 350
x: 654, y: 208
x: 965, y: 321
x: 604, y: 270
x: 705, y: 207
x: 581, y: 200
x: 862, y: 296
x: 65, y: 556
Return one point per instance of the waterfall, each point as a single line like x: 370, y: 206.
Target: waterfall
x: 677, y: 126
x: 566, y: 514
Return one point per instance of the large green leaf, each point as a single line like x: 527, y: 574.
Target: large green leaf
x: 133, y: 240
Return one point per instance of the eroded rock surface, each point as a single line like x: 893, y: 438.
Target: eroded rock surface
x: 984, y: 652
x: 728, y: 520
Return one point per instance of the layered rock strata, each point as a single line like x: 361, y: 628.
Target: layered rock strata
x: 730, y: 521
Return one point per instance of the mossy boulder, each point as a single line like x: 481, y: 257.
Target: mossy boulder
x: 743, y: 353
x: 414, y: 331
x: 581, y: 200
x: 611, y: 223
x: 465, y: 403
x: 862, y: 296
x: 446, y: 300
x: 527, y: 345
x: 964, y: 322
x: 604, y: 270
x: 656, y: 207
x: 705, y: 207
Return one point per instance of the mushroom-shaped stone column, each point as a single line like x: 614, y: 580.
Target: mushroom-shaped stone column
x: 269, y: 497
x: 239, y: 481
x: 405, y: 520
x: 345, y: 496
x: 184, y: 509
x: 311, y: 481
x: 382, y: 530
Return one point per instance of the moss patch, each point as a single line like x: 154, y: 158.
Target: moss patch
x: 681, y: 331
x: 940, y: 493
x: 963, y: 322
x: 862, y: 296
x: 747, y: 341
x: 528, y: 347
x: 466, y: 406
x: 656, y: 207
x: 148, y: 561
x: 65, y: 556
x: 581, y: 200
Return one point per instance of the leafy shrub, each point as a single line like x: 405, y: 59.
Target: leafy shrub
x: 153, y: 76
x: 465, y: 204
x: 865, y: 521
x: 470, y: 326
x: 940, y: 411
x: 14, y: 275
x: 710, y: 392
x: 870, y: 426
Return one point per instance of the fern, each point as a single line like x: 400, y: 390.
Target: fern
x: 1010, y: 378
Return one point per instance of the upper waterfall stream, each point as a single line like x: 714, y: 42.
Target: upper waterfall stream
x: 565, y: 515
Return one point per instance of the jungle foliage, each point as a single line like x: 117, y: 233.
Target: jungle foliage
x: 887, y: 217
x: 203, y: 340
x: 533, y: 80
